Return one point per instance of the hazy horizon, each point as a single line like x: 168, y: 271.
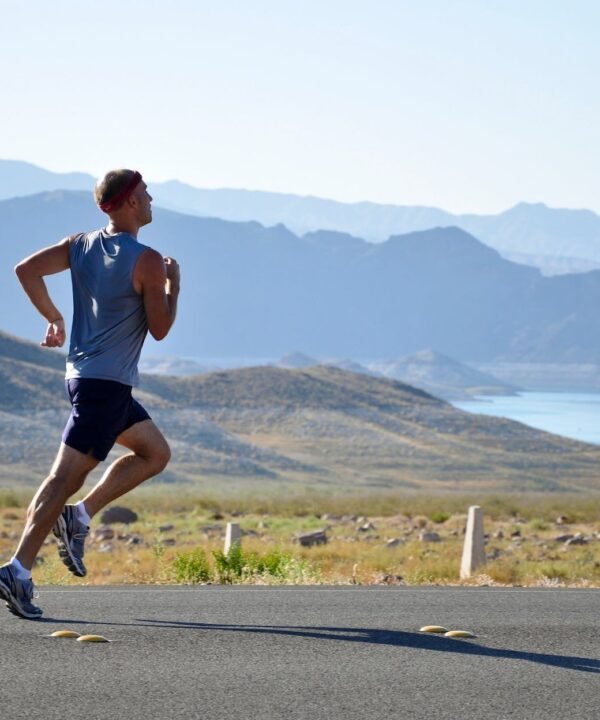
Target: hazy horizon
x: 469, y: 107
x: 152, y: 180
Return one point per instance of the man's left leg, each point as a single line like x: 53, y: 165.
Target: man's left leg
x: 67, y: 475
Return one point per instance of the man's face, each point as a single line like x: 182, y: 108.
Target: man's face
x: 143, y: 203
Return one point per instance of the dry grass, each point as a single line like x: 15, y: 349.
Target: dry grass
x: 351, y: 555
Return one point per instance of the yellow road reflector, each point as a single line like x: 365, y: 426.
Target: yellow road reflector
x: 65, y: 634
x: 459, y: 634
x: 92, y: 638
x: 434, y: 629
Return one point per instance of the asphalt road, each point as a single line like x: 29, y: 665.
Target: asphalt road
x: 326, y: 653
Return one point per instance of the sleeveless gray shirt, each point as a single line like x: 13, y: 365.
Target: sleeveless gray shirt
x: 109, y: 321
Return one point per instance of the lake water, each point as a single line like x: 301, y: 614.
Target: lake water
x: 574, y: 415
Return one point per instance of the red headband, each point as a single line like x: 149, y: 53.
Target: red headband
x: 116, y: 202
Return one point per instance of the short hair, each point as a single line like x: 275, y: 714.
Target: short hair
x: 111, y: 185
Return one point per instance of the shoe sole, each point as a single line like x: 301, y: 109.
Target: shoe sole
x: 72, y: 563
x: 13, y: 604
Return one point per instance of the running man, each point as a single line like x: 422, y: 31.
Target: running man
x: 121, y: 290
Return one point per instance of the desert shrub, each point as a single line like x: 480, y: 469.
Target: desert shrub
x: 191, y: 567
x: 11, y: 499
x: 230, y: 567
x: 273, y: 563
x: 274, y: 566
x: 538, y: 524
x: 439, y: 516
x: 553, y: 571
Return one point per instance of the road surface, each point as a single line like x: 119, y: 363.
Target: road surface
x: 300, y: 653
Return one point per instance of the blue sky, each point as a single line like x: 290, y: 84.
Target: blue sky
x: 466, y: 105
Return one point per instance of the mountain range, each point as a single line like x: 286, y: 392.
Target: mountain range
x: 442, y: 376
x: 276, y: 429
x: 427, y: 370
x: 555, y: 240
x: 251, y: 291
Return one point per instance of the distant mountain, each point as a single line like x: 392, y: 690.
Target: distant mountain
x: 250, y: 291
x: 554, y: 237
x: 19, y: 178
x: 314, y: 427
x: 442, y: 376
x: 539, y: 231
x: 557, y: 241
x: 428, y: 370
x: 183, y: 367
x: 552, y: 265
x: 351, y: 366
x: 300, y: 360
x: 179, y: 367
x: 297, y: 360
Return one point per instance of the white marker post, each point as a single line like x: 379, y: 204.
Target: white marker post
x: 473, y: 550
x: 233, y: 536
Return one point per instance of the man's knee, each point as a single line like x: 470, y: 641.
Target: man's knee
x: 148, y: 443
x: 160, y: 456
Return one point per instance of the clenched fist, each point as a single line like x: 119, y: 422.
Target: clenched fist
x: 172, y: 267
x: 55, y: 334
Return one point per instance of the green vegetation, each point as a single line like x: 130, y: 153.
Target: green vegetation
x: 14, y: 498
x: 538, y: 524
x: 439, y: 516
x: 274, y: 566
x: 192, y: 567
x: 238, y: 566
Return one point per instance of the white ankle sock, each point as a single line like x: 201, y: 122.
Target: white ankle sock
x: 21, y: 572
x: 82, y: 513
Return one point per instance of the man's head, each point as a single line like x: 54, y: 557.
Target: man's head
x: 122, y: 194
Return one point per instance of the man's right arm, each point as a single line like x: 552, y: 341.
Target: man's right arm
x: 31, y: 272
x: 157, y: 280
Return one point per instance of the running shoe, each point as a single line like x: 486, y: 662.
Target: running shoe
x: 18, y: 594
x: 71, y: 534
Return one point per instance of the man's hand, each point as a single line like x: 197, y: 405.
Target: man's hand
x: 55, y: 334
x: 172, y: 268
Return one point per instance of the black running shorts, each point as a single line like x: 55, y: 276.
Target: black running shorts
x: 101, y: 411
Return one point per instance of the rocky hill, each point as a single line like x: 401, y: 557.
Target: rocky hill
x: 24, y: 351
x: 318, y: 426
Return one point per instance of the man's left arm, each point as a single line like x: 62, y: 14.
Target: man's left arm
x: 31, y: 272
